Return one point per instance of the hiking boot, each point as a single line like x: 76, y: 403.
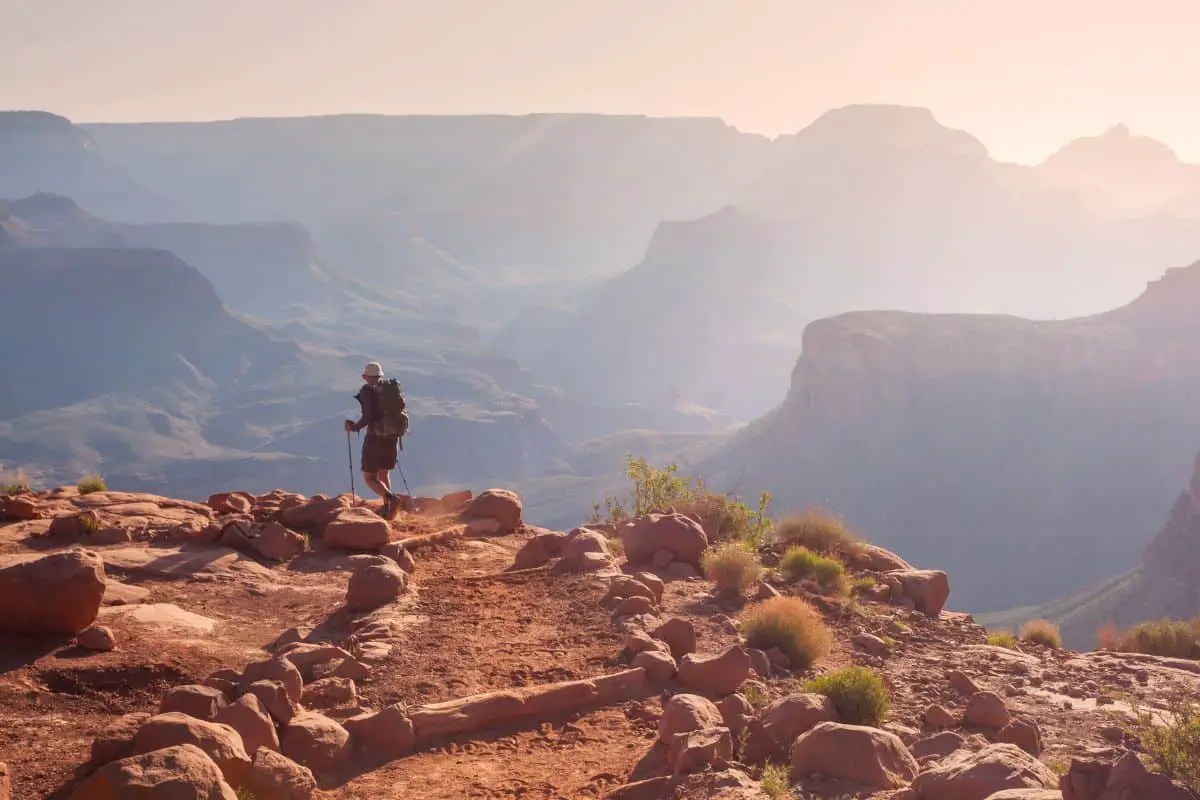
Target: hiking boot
x: 392, y: 506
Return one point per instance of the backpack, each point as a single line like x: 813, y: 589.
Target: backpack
x: 393, y: 419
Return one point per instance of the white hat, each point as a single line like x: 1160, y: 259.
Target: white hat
x: 373, y: 370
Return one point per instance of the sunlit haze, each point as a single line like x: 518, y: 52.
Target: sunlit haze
x: 1023, y: 76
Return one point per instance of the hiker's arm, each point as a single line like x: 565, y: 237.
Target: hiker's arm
x: 365, y: 419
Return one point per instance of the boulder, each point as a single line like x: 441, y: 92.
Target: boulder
x: 638, y: 640
x: 455, y: 501
x: 623, y: 586
x: 937, y: 746
x: 1024, y: 733
x: 180, y: 772
x: 329, y: 692
x: 279, y: 669
x: 987, y: 710
x: 737, y: 713
x: 375, y: 585
x: 382, y: 735
x: 5, y: 782
x: 676, y: 534
x: 221, y: 742
x: 115, y: 741
x: 274, y: 776
x: 873, y: 558
x: 687, y: 712
x: 977, y: 775
x: 500, y: 505
x: 719, y: 674
x: 937, y: 716
x: 313, y: 516
x: 787, y: 719
x: 277, y: 543
x: 250, y: 719
x: 634, y: 606
x: 962, y: 683
x: 652, y: 582
x: 871, y: 643
x: 357, y: 529
x: 315, y: 741
x: 659, y: 666
x: 98, y: 638
x: 538, y: 550
x: 397, y: 552
x: 928, y: 589
x: 231, y: 502
x: 1127, y: 779
x: 679, y: 634
x: 201, y: 702
x: 311, y: 658
x: 273, y: 696
x: 59, y: 593
x: 855, y: 753
x: 695, y: 750
x: 21, y: 508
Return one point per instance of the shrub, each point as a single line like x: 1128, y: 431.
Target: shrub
x: 1040, y: 631
x: 655, y: 490
x: 800, y: 562
x: 1173, y: 743
x: 92, y: 483
x: 1165, y: 637
x: 756, y: 697
x: 732, y: 567
x: 819, y: 532
x: 1002, y: 639
x: 14, y: 482
x: 859, y: 694
x: 616, y: 546
x: 863, y: 583
x: 790, y: 624
x: 774, y: 781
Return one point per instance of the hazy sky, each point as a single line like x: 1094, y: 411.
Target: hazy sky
x: 1022, y: 75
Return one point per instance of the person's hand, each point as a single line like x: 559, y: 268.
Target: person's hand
x: 348, y: 425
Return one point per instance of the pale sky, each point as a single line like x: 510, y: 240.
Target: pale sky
x: 1024, y: 76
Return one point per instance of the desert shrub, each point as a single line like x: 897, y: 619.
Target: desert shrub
x: 774, y: 781
x: 1040, y: 631
x: 92, y: 483
x: 1002, y: 639
x: 657, y: 489
x: 859, y: 694
x: 863, y: 583
x: 1172, y: 742
x: 755, y: 696
x: 790, y: 624
x: 14, y: 482
x: 616, y: 546
x: 800, y: 562
x: 1165, y: 637
x: 732, y: 567
x: 818, y: 531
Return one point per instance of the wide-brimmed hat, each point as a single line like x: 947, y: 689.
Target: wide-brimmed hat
x: 373, y: 370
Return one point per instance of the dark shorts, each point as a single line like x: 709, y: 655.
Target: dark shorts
x: 379, y: 453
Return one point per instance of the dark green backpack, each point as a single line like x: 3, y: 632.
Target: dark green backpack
x: 393, y: 419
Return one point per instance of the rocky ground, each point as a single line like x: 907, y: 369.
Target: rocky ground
x: 302, y: 647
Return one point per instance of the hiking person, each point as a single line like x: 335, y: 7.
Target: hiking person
x: 386, y: 421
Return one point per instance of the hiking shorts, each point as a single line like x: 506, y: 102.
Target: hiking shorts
x: 379, y: 453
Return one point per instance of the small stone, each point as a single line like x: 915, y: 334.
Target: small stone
x: 987, y: 710
x: 98, y: 638
x: 937, y: 716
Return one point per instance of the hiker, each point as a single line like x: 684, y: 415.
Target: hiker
x: 386, y: 421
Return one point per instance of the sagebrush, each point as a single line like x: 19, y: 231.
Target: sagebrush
x: 1164, y: 637
x: 859, y: 694
x: 800, y: 562
x: 1172, y: 743
x: 732, y: 567
x: 1040, y: 631
x: 790, y: 624
x: 14, y: 482
x: 774, y: 781
x: 92, y: 483
x: 1002, y: 639
x: 819, y: 531
x: 655, y: 490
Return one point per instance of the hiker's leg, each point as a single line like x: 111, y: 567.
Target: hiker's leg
x: 384, y: 477
x: 372, y: 480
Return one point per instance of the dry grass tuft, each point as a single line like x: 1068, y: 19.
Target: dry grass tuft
x: 1040, y: 631
x: 1164, y: 637
x: 732, y: 567
x: 818, y: 531
x: 790, y: 624
x: 800, y: 562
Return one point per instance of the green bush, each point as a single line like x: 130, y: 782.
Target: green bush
x: 818, y: 531
x: 1002, y: 639
x: 1173, y: 744
x: 92, y: 483
x: 859, y: 694
x: 790, y: 624
x: 829, y: 573
x: 732, y: 567
x: 654, y: 490
x: 1164, y: 637
x: 863, y: 583
x: 14, y: 482
x: 774, y: 781
x: 1040, y: 631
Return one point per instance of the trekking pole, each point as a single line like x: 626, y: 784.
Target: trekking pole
x: 407, y: 490
x: 350, y: 461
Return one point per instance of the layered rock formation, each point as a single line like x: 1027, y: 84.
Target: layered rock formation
x: 997, y: 448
